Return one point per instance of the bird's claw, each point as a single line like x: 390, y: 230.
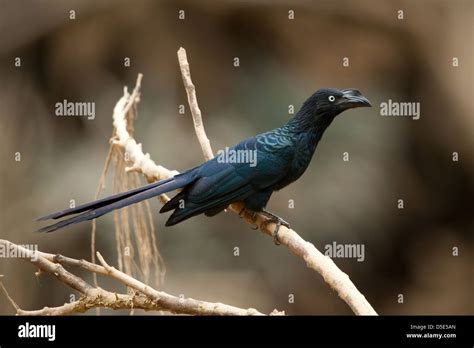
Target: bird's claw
x: 284, y: 223
x: 277, y: 229
x: 278, y: 222
x: 253, y: 216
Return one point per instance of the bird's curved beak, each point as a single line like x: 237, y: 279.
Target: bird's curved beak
x: 352, y: 98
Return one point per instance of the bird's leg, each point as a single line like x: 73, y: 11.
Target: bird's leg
x: 277, y: 220
x: 253, y: 214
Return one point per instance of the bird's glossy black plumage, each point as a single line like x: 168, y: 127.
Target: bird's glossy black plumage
x: 281, y: 157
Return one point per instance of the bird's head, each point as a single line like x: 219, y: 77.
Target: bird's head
x: 331, y: 102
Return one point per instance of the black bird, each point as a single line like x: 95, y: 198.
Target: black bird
x: 281, y: 157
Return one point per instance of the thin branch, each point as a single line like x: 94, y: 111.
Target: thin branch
x: 187, y: 305
x: 324, y: 265
x: 99, y: 189
x: 13, y: 303
x: 193, y: 105
x: 314, y: 259
x: 101, y: 299
x: 144, y: 297
x: 142, y: 163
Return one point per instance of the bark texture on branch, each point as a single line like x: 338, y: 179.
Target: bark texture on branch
x: 142, y: 297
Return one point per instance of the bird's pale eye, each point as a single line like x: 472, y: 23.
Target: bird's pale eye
x: 332, y: 98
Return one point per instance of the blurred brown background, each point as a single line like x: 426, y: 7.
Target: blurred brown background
x: 282, y: 62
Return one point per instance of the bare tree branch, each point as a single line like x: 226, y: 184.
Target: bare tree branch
x: 144, y: 297
x: 142, y: 163
x: 13, y: 303
x: 193, y: 104
x: 338, y: 280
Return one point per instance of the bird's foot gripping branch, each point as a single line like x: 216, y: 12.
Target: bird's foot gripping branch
x: 311, y: 121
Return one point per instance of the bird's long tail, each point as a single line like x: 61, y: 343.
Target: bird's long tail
x: 105, y: 205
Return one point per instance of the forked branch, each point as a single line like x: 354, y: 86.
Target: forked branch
x: 141, y: 297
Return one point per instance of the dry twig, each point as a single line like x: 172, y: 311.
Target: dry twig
x: 143, y: 297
